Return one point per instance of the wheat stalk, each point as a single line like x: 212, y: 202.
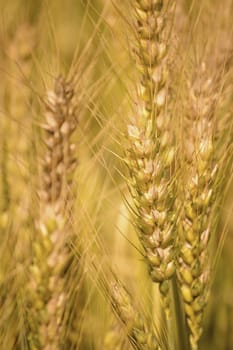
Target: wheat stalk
x: 150, y: 152
x: 50, y: 253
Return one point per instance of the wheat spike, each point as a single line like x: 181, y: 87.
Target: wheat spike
x: 50, y: 253
x: 150, y: 152
x: 139, y: 332
x: 199, y: 193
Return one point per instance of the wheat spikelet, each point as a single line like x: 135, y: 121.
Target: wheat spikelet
x: 199, y: 193
x: 47, y: 286
x: 150, y: 153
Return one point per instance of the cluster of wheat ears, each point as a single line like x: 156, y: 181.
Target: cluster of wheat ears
x: 116, y: 163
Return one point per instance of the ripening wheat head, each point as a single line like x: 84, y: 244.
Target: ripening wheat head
x: 46, y: 290
x: 132, y: 320
x: 150, y: 152
x: 199, y: 190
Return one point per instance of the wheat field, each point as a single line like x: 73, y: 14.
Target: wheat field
x: 116, y: 189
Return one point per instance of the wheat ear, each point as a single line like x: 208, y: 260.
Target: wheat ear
x: 199, y: 192
x: 50, y: 253
x: 150, y: 153
x: 139, y: 332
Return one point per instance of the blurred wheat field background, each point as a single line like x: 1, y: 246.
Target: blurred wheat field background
x: 116, y: 175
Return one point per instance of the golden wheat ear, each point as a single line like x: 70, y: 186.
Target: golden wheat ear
x: 200, y: 193
x: 150, y: 151
x: 139, y: 332
x: 46, y: 290
x: 138, y: 329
